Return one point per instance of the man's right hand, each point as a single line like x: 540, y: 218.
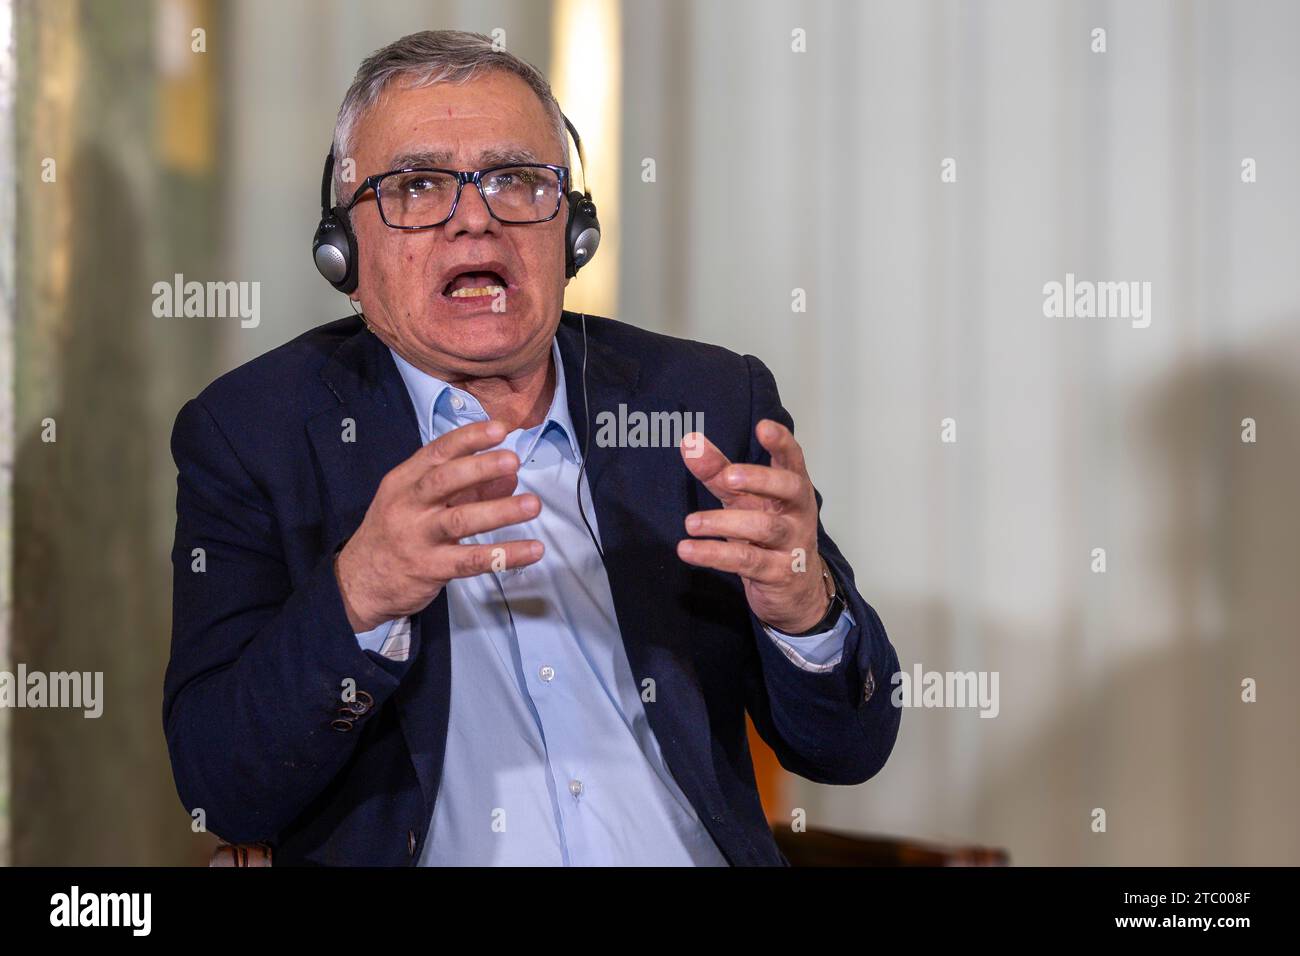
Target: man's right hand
x: 408, y: 546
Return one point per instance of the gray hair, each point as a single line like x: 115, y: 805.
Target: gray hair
x: 426, y: 58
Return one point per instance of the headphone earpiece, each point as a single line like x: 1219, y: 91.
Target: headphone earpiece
x: 334, y: 247
x: 582, y: 235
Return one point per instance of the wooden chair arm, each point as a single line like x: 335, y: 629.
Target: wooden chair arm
x: 815, y: 847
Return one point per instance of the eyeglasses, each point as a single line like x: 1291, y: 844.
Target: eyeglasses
x: 420, y: 197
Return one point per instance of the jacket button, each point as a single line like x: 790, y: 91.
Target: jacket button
x: 341, y: 725
x: 362, y: 703
x: 410, y: 843
x: 868, y: 686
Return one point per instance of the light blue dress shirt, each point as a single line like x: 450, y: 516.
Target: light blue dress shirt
x: 550, y: 759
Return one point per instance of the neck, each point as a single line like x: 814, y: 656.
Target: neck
x: 518, y: 401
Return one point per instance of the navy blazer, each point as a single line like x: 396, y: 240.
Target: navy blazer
x: 257, y: 728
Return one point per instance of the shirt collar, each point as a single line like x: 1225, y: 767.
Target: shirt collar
x: 436, y: 408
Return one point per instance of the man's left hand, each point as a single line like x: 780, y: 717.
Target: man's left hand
x: 768, y: 513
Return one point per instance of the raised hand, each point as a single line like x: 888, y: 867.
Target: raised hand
x: 408, y: 545
x: 768, y: 511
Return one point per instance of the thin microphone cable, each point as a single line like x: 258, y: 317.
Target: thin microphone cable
x: 586, y: 442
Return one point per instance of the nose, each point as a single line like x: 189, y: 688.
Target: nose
x: 471, y: 217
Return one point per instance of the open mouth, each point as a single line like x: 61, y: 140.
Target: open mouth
x: 473, y: 285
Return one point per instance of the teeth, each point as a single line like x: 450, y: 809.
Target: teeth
x: 477, y: 291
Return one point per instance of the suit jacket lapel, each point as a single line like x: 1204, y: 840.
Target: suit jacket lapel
x: 374, y: 404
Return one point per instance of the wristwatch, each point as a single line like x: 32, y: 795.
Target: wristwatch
x: 837, y: 606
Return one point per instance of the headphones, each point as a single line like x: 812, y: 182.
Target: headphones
x: 334, y: 247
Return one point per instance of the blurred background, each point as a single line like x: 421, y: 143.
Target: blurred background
x: 741, y: 151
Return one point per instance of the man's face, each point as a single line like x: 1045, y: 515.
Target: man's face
x: 493, y: 119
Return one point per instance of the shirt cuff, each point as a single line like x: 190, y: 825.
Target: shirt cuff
x: 392, y: 639
x: 818, y: 653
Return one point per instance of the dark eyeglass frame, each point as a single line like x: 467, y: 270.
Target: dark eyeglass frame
x: 463, y: 176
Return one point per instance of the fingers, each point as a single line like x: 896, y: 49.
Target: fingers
x: 780, y: 444
x: 730, y: 483
x: 762, y: 480
x: 463, y: 521
x: 459, y: 442
x: 468, y: 560
x: 706, y: 462
x: 763, y: 528
x: 502, y: 487
x: 442, y: 482
x: 737, y: 557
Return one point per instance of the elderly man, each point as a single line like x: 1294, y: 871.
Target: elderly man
x: 420, y: 618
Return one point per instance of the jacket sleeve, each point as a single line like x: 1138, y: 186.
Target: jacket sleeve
x: 255, y: 712
x: 837, y: 726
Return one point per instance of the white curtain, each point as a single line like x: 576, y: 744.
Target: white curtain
x: 779, y: 170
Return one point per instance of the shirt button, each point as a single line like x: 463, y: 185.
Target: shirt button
x: 546, y: 673
x: 575, y: 787
x: 457, y: 402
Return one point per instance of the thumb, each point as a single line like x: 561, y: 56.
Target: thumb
x: 705, y: 461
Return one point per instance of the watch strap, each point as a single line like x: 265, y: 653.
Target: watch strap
x: 833, y: 612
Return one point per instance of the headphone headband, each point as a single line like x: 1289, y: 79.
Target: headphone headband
x: 325, y: 183
x: 582, y: 157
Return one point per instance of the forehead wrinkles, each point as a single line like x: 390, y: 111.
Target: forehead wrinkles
x: 497, y: 155
x: 432, y: 118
